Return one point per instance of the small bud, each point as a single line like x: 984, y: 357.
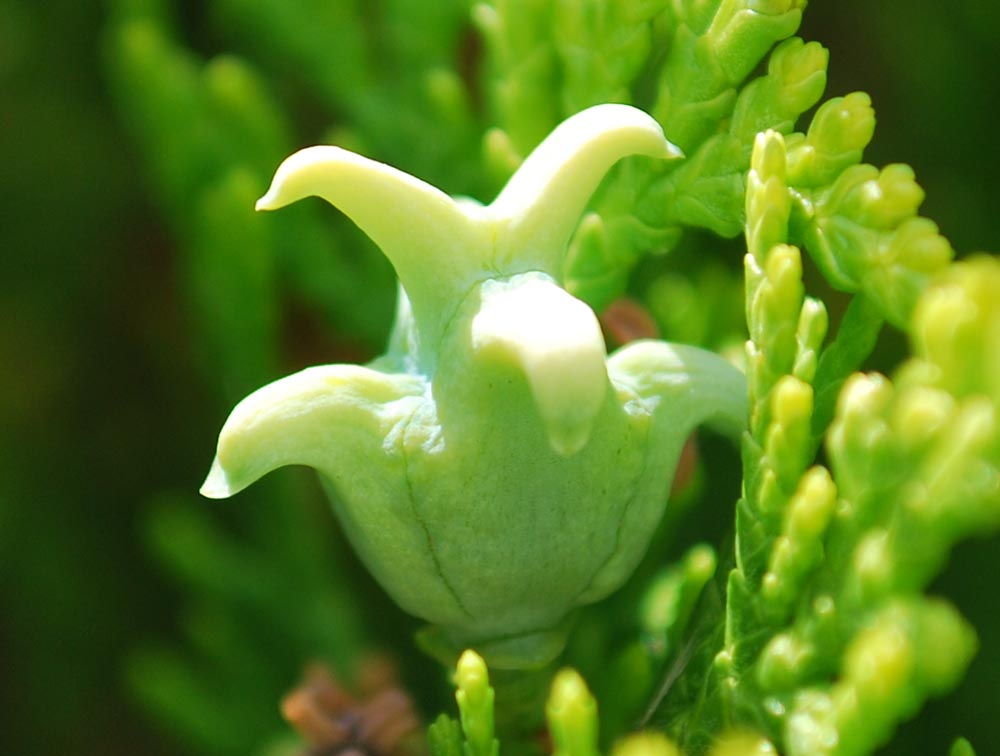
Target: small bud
x: 889, y: 200
x: 874, y: 564
x: 783, y: 662
x: 475, y: 704
x: 939, y: 626
x: 774, y: 308
x: 592, y: 274
x: 879, y: 662
x: 646, y: 744
x: 918, y: 246
x: 799, y: 549
x: 768, y: 204
x: 500, y: 154
x: 742, y: 32
x: 858, y: 430
x: 837, y: 137
x: 572, y: 715
x: 487, y: 20
x: 811, y: 727
x: 791, y: 401
x: 768, y: 157
x: 444, y: 737
x: 668, y: 602
x: 812, y: 507
x: 813, y: 323
x: 919, y: 414
x: 723, y: 663
x: 784, y: 271
x: 955, y: 327
x: 448, y: 93
x: 788, y: 434
x: 801, y: 70
x: 864, y: 396
x: 962, y: 747
x: 770, y: 496
x: 743, y: 744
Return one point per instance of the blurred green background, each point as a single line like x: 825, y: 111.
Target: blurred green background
x: 109, y: 405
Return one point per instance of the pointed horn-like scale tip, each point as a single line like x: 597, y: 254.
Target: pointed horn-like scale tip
x: 307, y: 419
x: 217, y: 485
x: 690, y: 386
x: 434, y: 243
x: 542, y: 203
x: 556, y: 341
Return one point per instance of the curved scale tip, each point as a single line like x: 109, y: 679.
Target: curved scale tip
x: 541, y: 204
x: 687, y: 385
x: 302, y: 174
x: 435, y: 243
x: 315, y: 417
x: 217, y: 485
x: 578, y: 152
x: 268, y: 202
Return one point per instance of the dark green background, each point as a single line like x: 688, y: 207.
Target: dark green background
x: 102, y: 404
